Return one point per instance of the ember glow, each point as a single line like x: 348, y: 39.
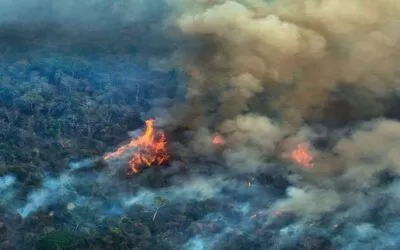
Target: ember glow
x: 302, y: 156
x: 217, y: 140
x: 149, y: 149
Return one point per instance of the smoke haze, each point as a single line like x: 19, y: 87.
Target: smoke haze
x: 266, y: 77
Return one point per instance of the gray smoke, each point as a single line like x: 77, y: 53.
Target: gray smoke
x: 259, y: 74
x: 263, y: 68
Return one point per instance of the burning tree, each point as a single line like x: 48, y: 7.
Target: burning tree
x: 149, y: 149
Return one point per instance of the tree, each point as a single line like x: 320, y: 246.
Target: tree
x: 160, y: 202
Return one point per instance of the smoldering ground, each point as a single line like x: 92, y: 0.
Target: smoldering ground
x: 265, y: 76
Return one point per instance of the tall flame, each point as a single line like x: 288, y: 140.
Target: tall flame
x: 150, y: 149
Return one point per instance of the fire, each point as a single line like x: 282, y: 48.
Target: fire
x: 150, y: 149
x: 302, y: 156
x: 217, y: 140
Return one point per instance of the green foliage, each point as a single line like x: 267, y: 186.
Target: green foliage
x: 32, y: 97
x: 160, y: 201
x: 31, y: 177
x: 60, y: 240
x: 54, y: 107
x: 115, y: 230
x: 82, y: 213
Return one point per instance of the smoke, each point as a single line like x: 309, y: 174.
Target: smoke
x: 264, y: 68
x: 268, y: 76
x: 6, y: 182
x: 291, y: 54
x: 6, y: 188
x: 53, y: 190
x: 364, y: 161
x: 374, y: 147
x: 265, y: 76
x: 252, y: 139
x: 198, y: 189
x: 85, y: 163
x: 301, y: 201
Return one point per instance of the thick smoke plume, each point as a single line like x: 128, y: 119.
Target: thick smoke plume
x: 265, y: 72
x: 289, y: 56
x: 264, y: 77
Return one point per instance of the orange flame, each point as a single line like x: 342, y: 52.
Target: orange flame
x: 302, y: 156
x: 217, y: 140
x: 151, y: 149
